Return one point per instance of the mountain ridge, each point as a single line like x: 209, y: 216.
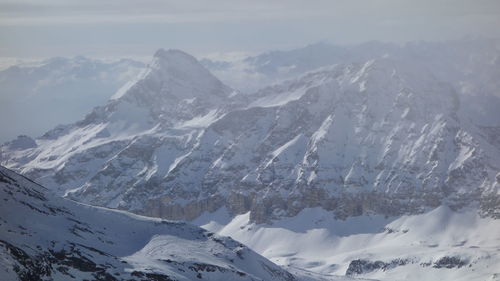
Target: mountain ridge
x: 381, y: 136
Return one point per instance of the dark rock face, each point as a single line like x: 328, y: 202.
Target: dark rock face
x: 361, y: 266
x: 22, y: 142
x: 45, y: 264
x: 449, y: 262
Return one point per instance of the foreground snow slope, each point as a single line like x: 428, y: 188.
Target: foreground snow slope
x: 438, y: 245
x: 49, y: 238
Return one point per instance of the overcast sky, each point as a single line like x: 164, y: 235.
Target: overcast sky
x: 101, y: 28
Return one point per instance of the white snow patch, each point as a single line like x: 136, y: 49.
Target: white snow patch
x: 123, y: 90
x: 201, y: 121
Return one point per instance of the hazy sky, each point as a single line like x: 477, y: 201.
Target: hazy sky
x: 34, y: 28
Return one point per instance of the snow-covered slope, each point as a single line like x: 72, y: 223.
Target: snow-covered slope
x: 34, y: 99
x: 438, y: 245
x: 43, y: 237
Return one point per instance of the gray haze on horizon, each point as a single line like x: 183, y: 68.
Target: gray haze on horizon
x: 30, y: 28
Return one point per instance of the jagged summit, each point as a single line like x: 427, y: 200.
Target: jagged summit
x: 162, y: 53
x: 175, y: 59
x: 178, y: 67
x: 173, y: 88
x: 173, y: 77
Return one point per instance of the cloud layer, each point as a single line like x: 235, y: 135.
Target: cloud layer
x: 208, y: 26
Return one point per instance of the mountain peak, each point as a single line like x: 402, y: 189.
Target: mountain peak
x: 183, y: 75
x: 162, y: 53
x: 175, y: 59
x: 174, y: 86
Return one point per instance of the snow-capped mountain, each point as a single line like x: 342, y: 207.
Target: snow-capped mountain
x: 163, y: 112
x: 37, y: 97
x: 385, y: 136
x: 375, y: 137
x: 43, y: 237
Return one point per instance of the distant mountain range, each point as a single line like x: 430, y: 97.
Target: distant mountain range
x: 35, y: 98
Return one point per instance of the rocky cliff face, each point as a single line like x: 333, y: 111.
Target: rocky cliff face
x: 361, y: 140
x: 386, y: 136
